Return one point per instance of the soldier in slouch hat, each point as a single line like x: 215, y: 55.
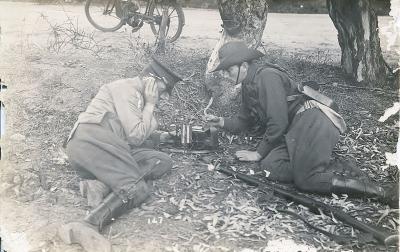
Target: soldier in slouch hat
x: 299, y: 128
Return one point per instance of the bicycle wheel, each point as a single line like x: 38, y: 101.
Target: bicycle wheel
x: 176, y: 19
x: 102, y: 15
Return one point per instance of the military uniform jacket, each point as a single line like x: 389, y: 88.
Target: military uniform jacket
x: 265, y: 105
x: 119, y: 106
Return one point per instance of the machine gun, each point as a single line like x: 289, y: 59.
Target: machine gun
x: 382, y: 236
x: 194, y: 138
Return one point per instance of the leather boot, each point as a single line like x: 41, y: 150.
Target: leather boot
x: 113, y: 207
x: 86, y: 232
x: 110, y: 208
x: 359, y: 188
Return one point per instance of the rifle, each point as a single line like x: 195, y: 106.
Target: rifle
x: 382, y: 236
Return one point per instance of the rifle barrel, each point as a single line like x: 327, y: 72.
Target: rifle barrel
x: 378, y: 233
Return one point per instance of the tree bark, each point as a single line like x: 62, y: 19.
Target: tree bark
x: 357, y: 26
x: 241, y: 20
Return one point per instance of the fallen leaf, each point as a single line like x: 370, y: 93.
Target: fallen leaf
x: 392, y: 159
x: 215, y: 220
x: 333, y: 218
x: 173, y: 201
x: 390, y: 111
x: 335, y: 196
x: 210, y: 167
x: 182, y: 204
x: 272, y: 209
x: 191, y: 204
x: 166, y: 215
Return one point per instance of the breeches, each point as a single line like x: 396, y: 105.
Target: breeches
x: 96, y: 152
x: 305, y: 155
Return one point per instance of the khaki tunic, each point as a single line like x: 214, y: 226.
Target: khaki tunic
x: 104, y: 143
x: 121, y: 104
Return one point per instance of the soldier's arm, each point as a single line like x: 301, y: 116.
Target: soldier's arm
x: 272, y: 98
x: 138, y: 124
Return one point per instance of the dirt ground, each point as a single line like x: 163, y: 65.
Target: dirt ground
x: 51, y: 81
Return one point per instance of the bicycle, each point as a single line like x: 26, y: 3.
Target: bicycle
x: 111, y: 15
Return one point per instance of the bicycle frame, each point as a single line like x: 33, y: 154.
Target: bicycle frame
x: 120, y: 13
x: 146, y: 17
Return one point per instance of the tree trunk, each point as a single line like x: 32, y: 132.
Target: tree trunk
x: 242, y: 20
x: 357, y: 26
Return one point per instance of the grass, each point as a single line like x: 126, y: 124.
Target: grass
x: 200, y: 209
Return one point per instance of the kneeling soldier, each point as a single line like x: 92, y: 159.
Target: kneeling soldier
x: 299, y: 133
x: 105, y: 146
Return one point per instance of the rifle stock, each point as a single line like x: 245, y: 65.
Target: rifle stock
x: 382, y: 236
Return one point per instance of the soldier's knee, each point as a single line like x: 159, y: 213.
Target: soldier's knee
x: 163, y: 167
x: 303, y: 178
x: 269, y: 162
x: 160, y: 164
x: 277, y: 169
x: 76, y: 157
x: 317, y: 182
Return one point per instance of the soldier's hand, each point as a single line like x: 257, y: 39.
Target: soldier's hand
x: 167, y: 137
x: 249, y: 156
x: 211, y: 118
x: 214, y: 121
x: 150, y: 91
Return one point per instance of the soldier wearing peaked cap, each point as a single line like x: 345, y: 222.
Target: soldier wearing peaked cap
x: 299, y: 131
x: 106, y: 147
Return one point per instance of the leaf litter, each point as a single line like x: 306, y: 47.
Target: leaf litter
x: 221, y: 212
